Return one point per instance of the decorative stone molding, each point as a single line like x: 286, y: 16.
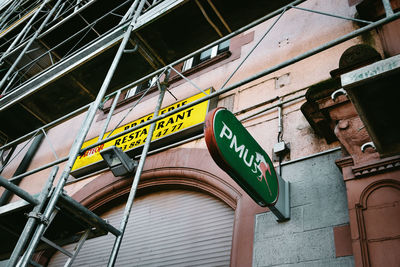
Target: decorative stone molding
x: 345, y: 162
x: 386, y: 164
x: 352, y: 135
x: 370, y: 172
x: 107, y: 187
x: 369, y: 169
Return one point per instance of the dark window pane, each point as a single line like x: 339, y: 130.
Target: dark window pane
x: 205, y: 55
x: 224, y: 46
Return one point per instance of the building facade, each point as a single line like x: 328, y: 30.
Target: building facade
x: 318, y: 76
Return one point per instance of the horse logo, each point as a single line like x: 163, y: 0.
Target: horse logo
x: 261, y: 166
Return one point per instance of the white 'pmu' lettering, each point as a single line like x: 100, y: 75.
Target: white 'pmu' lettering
x: 242, y: 150
x: 260, y: 167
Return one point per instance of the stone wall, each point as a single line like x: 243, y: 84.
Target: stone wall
x: 318, y: 206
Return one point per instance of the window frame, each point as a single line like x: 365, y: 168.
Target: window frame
x: 140, y: 87
x: 213, y: 52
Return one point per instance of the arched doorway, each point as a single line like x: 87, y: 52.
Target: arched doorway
x: 378, y: 215
x: 179, y: 169
x: 166, y: 228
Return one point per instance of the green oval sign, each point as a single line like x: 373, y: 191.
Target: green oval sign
x: 238, y: 154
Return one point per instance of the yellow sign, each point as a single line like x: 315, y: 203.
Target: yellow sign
x: 175, y: 123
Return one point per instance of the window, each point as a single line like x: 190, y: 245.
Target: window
x: 188, y: 64
x: 206, y: 55
x: 141, y: 87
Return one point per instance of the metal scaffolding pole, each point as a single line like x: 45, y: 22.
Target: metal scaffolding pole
x: 89, y: 214
x: 129, y: 12
x: 18, y: 191
x: 32, y: 219
x: 45, y: 127
x: 71, y: 37
x: 254, y: 47
x: 8, y: 13
x: 132, y: 193
x: 76, y: 146
x: 110, y: 113
x: 51, y: 163
x: 215, y: 94
x: 388, y: 8
x: 27, y: 46
x: 22, y: 167
x: 254, y: 23
x: 24, y: 30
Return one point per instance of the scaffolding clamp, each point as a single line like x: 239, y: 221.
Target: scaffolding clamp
x: 166, y: 84
x: 39, y: 216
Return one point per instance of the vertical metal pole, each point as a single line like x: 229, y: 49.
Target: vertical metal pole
x: 17, y: 60
x: 110, y: 113
x: 30, y: 224
x: 132, y: 193
x: 76, y: 146
x: 387, y: 7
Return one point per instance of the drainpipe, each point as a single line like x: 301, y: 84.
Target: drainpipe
x: 280, y: 132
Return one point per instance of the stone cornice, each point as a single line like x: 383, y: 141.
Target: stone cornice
x: 359, y: 171
x: 385, y: 164
x: 344, y: 162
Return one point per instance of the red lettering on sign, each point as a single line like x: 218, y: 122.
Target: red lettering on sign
x: 92, y: 151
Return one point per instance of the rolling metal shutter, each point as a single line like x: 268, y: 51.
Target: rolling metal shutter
x: 167, y: 228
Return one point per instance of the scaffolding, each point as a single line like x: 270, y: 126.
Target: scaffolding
x: 36, y: 19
